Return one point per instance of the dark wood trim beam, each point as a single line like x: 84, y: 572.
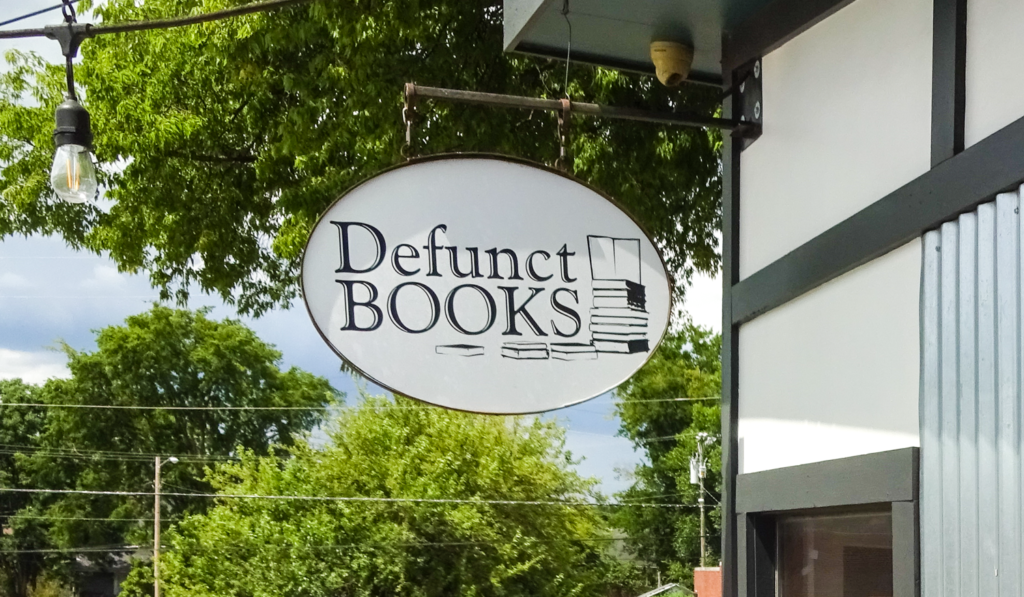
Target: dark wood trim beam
x: 730, y: 346
x: 906, y: 549
x: 870, y: 479
x: 772, y: 26
x: 949, y: 86
x: 953, y: 187
x: 758, y: 546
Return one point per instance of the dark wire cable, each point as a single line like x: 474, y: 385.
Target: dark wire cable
x: 352, y: 499
x: 94, y: 30
x: 33, y: 14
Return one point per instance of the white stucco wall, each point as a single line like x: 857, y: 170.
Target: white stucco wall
x: 834, y: 373
x: 847, y: 108
x: 995, y: 52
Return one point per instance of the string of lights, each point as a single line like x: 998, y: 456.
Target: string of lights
x: 73, y: 173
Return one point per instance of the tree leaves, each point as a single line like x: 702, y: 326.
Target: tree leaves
x: 686, y: 365
x: 392, y: 450
x: 222, y: 143
x: 161, y: 358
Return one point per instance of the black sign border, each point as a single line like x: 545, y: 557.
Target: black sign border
x: 500, y: 158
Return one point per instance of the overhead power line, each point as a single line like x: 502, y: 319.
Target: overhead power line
x: 184, y: 408
x: 125, y: 549
x: 129, y: 548
x: 103, y: 454
x: 83, y: 518
x: 86, y: 456
x: 284, y: 408
x: 356, y: 499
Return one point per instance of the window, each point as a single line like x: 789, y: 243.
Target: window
x: 845, y: 555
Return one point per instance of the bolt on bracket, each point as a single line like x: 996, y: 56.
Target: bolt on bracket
x: 749, y: 103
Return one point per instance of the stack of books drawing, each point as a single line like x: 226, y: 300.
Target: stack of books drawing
x: 618, y: 319
x: 572, y: 351
x: 562, y: 351
x: 525, y: 351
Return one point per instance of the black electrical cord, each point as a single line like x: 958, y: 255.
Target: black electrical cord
x: 68, y: 10
x: 33, y: 14
x: 89, y: 30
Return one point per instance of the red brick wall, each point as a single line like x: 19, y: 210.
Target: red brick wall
x: 707, y: 582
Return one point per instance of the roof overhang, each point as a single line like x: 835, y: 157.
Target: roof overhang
x: 617, y: 33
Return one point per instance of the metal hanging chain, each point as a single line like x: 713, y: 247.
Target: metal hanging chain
x: 568, y: 46
x: 564, y: 161
x: 409, y: 118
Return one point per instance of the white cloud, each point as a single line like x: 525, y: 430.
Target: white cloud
x: 10, y: 280
x: 32, y: 367
x: 105, y: 277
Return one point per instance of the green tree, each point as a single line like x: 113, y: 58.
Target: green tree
x: 686, y: 365
x: 158, y: 361
x: 222, y: 143
x: 397, y: 450
x: 19, y: 433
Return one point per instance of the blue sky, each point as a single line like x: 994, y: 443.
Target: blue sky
x: 49, y: 292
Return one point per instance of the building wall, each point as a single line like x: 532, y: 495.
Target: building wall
x: 834, y: 373
x: 707, y: 582
x: 825, y: 153
x: 971, y: 413
x: 995, y: 51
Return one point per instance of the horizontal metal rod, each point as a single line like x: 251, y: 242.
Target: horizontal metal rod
x: 90, y: 30
x: 414, y: 92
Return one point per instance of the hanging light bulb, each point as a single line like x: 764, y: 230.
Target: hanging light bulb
x: 73, y: 175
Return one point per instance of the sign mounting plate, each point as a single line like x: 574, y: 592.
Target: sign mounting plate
x: 485, y: 284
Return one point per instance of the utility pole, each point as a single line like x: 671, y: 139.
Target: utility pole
x: 703, y: 536
x: 698, y: 471
x: 156, y: 524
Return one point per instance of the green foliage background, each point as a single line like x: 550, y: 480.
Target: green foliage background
x: 19, y: 428
x: 400, y: 449
x: 221, y: 143
x: 219, y: 146
x: 686, y: 365
x: 164, y: 357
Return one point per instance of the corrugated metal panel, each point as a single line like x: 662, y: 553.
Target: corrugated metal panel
x: 971, y: 415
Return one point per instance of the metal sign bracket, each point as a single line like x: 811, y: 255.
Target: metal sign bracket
x: 749, y: 128
x: 750, y: 101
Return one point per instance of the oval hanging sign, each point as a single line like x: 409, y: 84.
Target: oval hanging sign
x: 485, y: 284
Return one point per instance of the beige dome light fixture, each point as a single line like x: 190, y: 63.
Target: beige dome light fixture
x: 672, y: 61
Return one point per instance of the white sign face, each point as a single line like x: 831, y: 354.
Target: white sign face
x: 485, y: 285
